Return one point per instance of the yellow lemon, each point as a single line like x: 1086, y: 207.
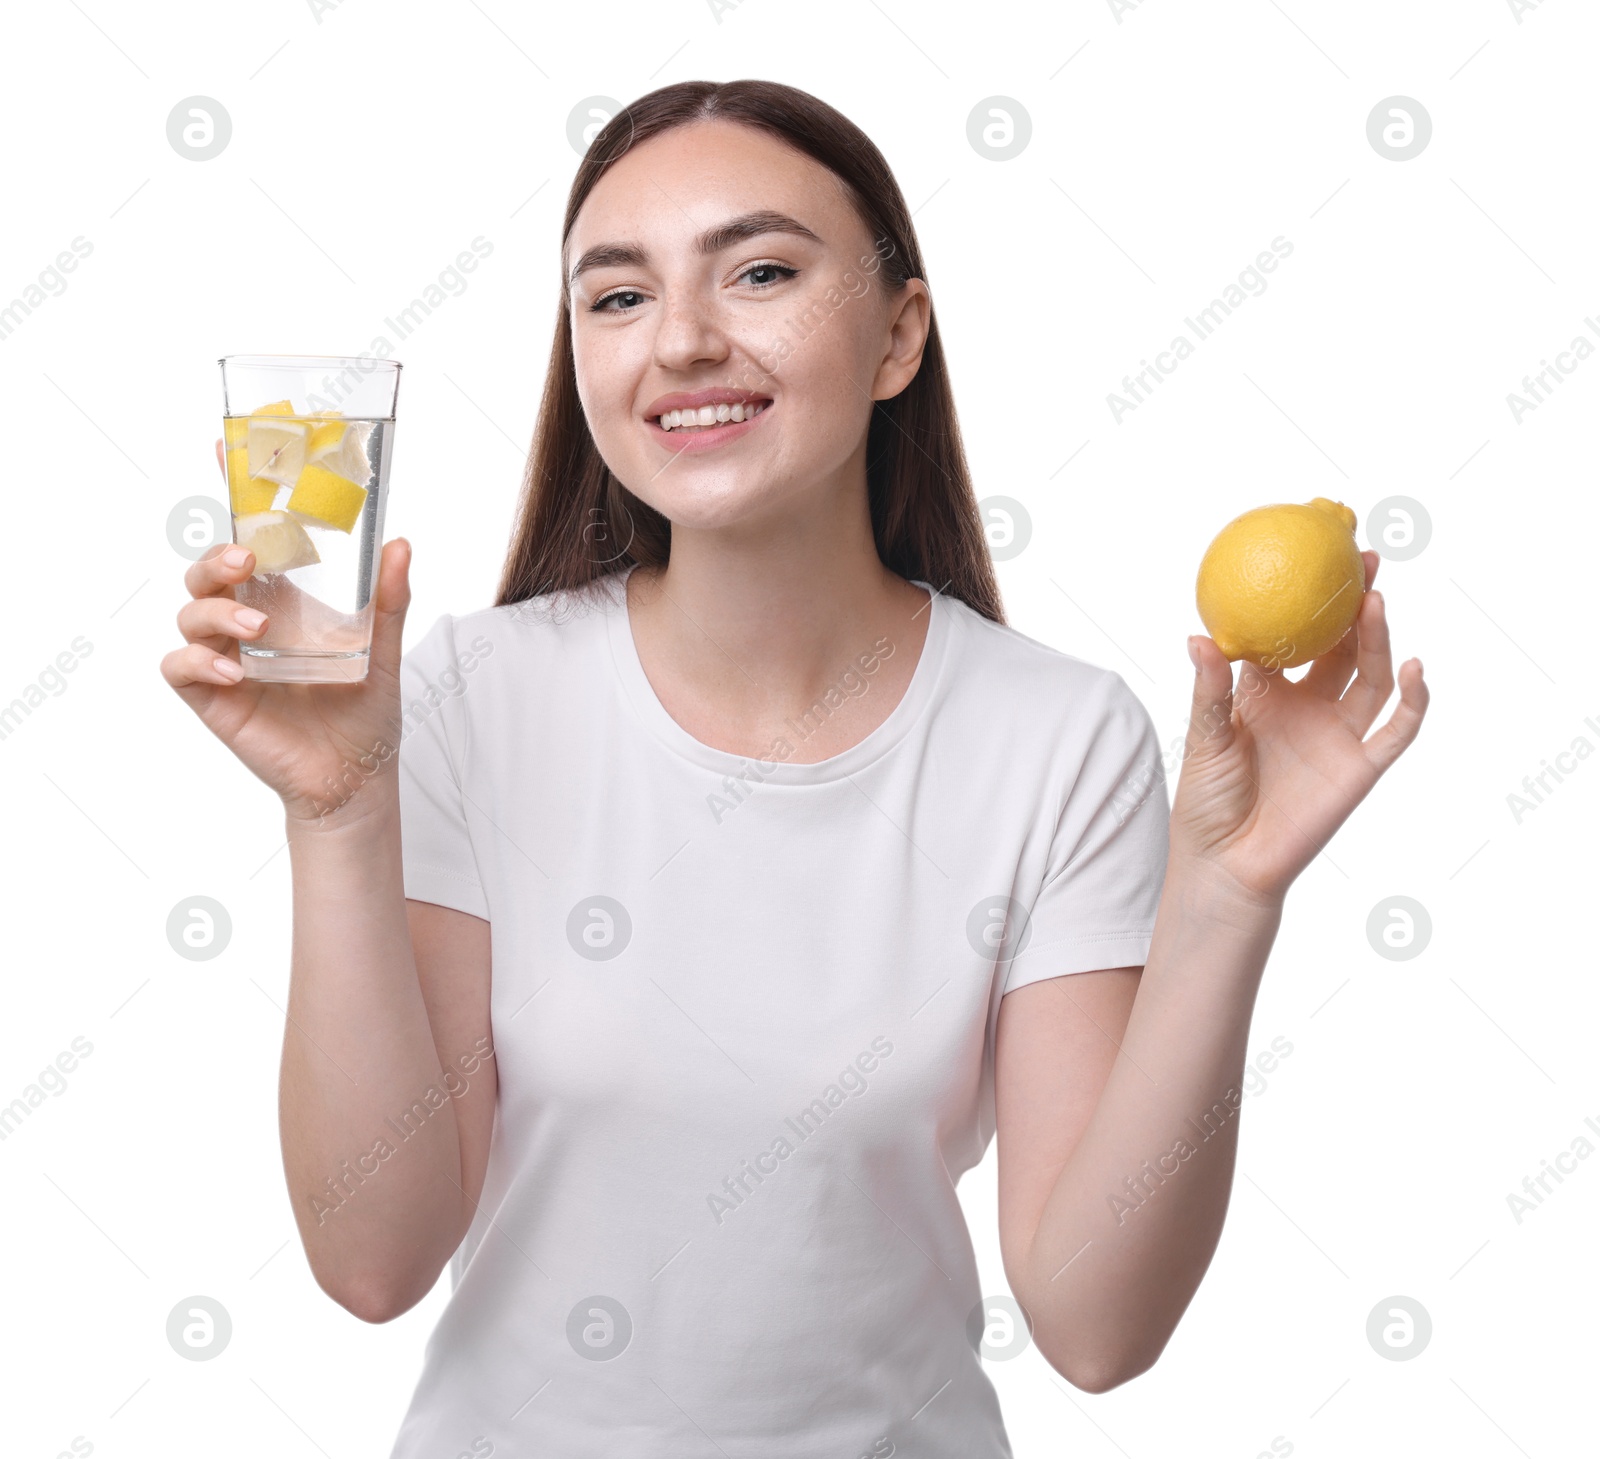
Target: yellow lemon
x: 234, y: 427
x: 340, y: 446
x: 326, y: 436
x: 327, y: 499
x: 276, y: 447
x: 249, y: 494
x: 278, y: 540
x: 1282, y: 584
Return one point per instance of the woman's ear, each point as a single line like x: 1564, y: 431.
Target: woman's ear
x: 910, y: 318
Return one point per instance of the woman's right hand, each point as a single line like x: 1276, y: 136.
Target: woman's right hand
x: 314, y: 744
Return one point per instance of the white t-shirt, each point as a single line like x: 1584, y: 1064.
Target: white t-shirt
x: 743, y: 1021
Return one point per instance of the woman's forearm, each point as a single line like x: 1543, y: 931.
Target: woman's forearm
x: 365, y: 1157
x: 1136, y: 1213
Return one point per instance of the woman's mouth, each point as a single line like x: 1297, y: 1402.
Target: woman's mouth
x: 708, y: 427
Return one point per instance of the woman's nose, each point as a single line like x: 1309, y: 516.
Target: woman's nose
x: 688, y: 330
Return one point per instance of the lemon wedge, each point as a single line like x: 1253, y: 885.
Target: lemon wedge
x: 341, y: 447
x: 327, y: 498
x: 279, y: 542
x: 277, y: 448
x: 248, y: 494
x: 326, y: 436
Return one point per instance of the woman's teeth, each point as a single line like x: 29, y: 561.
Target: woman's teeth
x: 711, y: 415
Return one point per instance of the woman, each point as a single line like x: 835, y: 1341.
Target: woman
x: 748, y: 888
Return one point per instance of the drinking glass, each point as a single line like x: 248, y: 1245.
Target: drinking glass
x: 306, y: 441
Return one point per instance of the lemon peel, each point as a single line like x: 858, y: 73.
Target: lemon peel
x: 247, y: 494
x: 327, y: 498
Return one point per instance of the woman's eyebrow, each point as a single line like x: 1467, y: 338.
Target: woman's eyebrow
x: 713, y: 240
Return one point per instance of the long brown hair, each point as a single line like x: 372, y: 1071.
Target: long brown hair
x: 576, y: 523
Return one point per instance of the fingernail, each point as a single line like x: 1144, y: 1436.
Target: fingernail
x: 1194, y: 654
x: 229, y: 670
x: 248, y: 619
x: 235, y: 557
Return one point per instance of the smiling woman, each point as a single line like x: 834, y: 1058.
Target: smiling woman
x: 756, y: 211
x: 939, y: 918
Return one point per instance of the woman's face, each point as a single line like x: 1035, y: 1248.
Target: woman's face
x: 715, y: 265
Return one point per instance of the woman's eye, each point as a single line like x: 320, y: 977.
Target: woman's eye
x: 783, y: 272
x: 599, y: 305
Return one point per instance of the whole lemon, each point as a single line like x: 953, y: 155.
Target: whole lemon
x: 1282, y: 584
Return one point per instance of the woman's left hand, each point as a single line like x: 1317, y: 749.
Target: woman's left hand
x: 1272, y: 770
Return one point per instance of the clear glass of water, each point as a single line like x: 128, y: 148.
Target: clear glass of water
x: 306, y: 441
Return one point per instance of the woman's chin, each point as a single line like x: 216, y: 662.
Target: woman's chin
x: 708, y: 503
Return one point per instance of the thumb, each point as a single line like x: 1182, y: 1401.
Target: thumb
x: 392, y: 599
x: 1211, y: 710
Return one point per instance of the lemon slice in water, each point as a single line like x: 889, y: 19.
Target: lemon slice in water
x: 327, y: 498
x: 277, y: 448
x: 278, y: 540
x: 247, y: 493
x: 341, y: 447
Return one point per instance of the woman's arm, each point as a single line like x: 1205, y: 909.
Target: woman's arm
x: 387, y: 1087
x: 1117, y: 1093
x: 1117, y: 1097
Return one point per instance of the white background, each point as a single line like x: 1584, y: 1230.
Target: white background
x: 1170, y: 145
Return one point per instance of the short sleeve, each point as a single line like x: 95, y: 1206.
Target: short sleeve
x: 1107, y: 861
x: 436, y: 848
